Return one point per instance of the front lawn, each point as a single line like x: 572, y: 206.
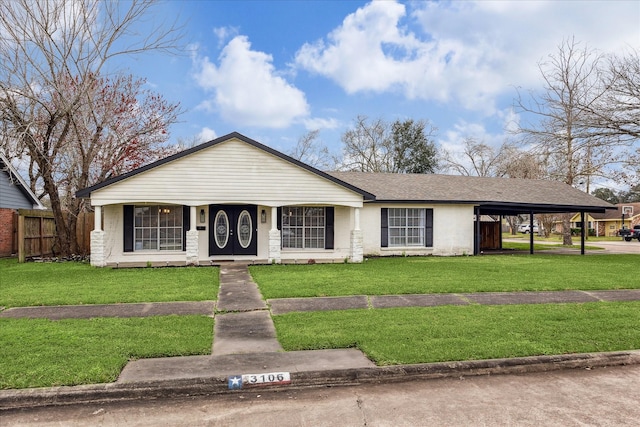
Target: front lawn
x: 449, y: 333
x: 421, y: 275
x: 69, y: 283
x: 44, y: 353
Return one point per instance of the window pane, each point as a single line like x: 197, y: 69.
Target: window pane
x: 303, y: 227
x: 406, y: 226
x: 158, y: 227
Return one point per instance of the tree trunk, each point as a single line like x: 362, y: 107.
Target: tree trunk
x: 566, y: 230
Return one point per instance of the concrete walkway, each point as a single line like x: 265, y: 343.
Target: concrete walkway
x: 245, y: 326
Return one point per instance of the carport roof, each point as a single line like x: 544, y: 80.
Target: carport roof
x: 506, y: 196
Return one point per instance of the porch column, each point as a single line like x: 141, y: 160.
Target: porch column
x: 275, y: 255
x: 356, y: 238
x: 97, y: 240
x: 192, y: 238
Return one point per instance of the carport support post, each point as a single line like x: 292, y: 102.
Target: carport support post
x: 531, y: 232
x: 97, y: 240
x: 582, y: 234
x: 275, y: 255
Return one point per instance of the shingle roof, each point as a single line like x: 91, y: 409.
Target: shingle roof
x: 493, y: 193
x: 616, y: 214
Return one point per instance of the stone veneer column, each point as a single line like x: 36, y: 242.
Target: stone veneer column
x: 192, y: 244
x: 97, y: 240
x: 356, y: 238
x: 275, y: 255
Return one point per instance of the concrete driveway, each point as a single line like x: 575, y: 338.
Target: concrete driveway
x: 619, y: 247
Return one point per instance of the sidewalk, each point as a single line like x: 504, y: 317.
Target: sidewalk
x: 245, y: 343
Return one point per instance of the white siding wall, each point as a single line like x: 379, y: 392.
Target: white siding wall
x: 230, y: 172
x: 452, y: 230
x: 10, y: 196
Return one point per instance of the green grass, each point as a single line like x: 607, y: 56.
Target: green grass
x: 419, y: 275
x: 31, y: 284
x: 447, y: 333
x: 43, y: 353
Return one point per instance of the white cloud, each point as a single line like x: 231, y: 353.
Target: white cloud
x: 321, y: 123
x: 247, y: 90
x: 467, y: 52
x: 206, y: 134
x: 223, y: 34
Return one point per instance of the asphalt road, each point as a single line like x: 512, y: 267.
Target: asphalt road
x: 592, y: 397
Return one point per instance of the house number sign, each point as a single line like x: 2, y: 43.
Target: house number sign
x: 249, y: 380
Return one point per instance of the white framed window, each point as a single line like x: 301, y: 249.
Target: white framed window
x: 406, y: 227
x: 303, y: 227
x: 157, y: 227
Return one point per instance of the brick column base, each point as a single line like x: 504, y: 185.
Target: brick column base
x: 98, y: 258
x: 356, y: 246
x: 275, y: 255
x: 192, y: 248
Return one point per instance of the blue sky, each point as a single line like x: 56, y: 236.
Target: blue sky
x: 274, y: 70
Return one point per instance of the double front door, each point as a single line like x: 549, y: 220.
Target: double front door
x: 233, y: 230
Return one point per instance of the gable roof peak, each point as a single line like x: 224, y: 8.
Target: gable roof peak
x: 86, y: 192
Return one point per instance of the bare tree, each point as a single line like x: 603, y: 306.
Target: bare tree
x: 54, y: 103
x: 476, y: 159
x: 480, y: 159
x: 367, y: 146
x: 617, y: 113
x: 562, y: 135
x: 313, y: 152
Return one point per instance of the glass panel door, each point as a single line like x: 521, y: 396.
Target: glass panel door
x: 221, y: 225
x: 245, y: 229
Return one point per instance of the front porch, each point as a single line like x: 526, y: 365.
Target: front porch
x: 219, y: 234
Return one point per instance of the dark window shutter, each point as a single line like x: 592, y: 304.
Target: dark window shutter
x: 279, y: 219
x: 186, y: 225
x: 328, y: 227
x: 128, y: 227
x: 384, y: 227
x: 428, y: 230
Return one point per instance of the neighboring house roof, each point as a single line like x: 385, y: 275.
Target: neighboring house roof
x: 14, y: 179
x: 86, y: 192
x: 616, y: 214
x: 494, y: 195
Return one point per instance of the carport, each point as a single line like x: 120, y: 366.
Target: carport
x: 502, y: 209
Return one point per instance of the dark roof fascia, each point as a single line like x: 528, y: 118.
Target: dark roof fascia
x: 506, y: 206
x: 86, y: 192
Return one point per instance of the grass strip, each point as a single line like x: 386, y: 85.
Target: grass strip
x: 69, y: 283
x: 421, y: 275
x: 44, y: 353
x: 451, y: 333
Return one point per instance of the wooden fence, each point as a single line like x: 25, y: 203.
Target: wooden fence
x: 37, y: 233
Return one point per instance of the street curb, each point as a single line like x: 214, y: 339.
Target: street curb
x: 215, y: 385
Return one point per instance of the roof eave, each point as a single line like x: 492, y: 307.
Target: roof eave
x: 507, y: 206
